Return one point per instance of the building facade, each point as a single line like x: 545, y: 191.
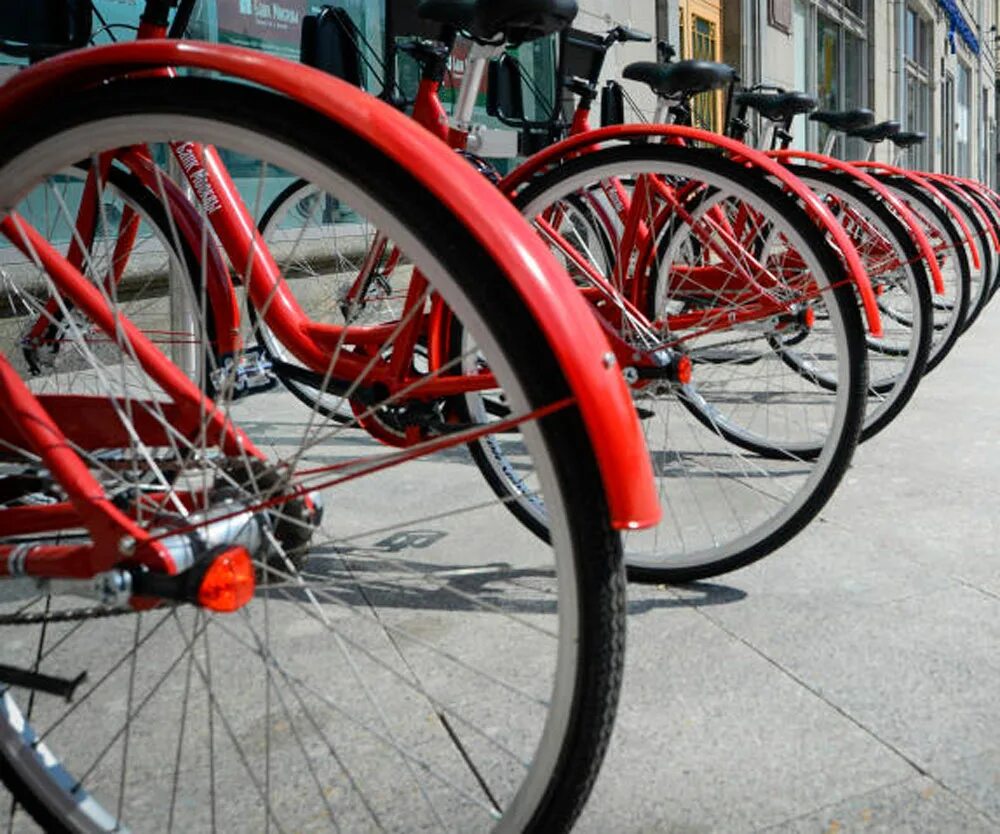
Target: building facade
x: 929, y: 64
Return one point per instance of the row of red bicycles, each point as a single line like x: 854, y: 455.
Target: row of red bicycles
x: 324, y: 457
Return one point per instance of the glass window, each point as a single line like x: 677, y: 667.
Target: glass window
x: 948, y: 124
x: 962, y: 116
x: 917, y: 39
x: 800, y: 17
x: 917, y: 48
x: 827, y: 63
x: 984, y: 132
x: 827, y: 70
x: 840, y: 77
x: 854, y: 87
x: 704, y: 46
x: 800, y: 37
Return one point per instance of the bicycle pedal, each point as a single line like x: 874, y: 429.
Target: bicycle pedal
x: 36, y: 681
x: 252, y: 372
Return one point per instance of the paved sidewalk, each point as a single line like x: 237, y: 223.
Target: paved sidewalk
x: 850, y: 682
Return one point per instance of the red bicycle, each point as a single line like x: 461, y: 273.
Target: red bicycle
x: 350, y: 688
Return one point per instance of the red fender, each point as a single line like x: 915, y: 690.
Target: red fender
x: 934, y: 191
x: 566, y: 320
x: 991, y: 194
x: 897, y: 205
x: 218, y: 286
x: 992, y: 197
x: 809, y: 200
x: 987, y: 195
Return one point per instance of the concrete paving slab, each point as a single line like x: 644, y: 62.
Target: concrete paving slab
x: 976, y: 779
x: 821, y: 681
x: 712, y: 737
x: 917, y: 806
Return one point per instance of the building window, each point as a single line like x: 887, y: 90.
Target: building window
x: 917, y: 66
x: 963, y: 126
x: 985, y: 145
x: 839, y: 73
x: 827, y: 63
x: 700, y: 24
x: 948, y: 123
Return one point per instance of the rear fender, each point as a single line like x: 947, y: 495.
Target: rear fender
x: 677, y: 134
x: 984, y: 194
x: 934, y: 191
x: 570, y: 328
x: 897, y: 205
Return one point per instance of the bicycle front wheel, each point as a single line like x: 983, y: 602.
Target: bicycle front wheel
x: 395, y: 670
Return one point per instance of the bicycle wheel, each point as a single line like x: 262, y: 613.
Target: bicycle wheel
x: 992, y: 221
x: 896, y: 361
x: 980, y: 277
x: 394, y: 670
x: 133, y: 248
x: 355, y: 279
x: 950, y: 308
x: 298, y: 221
x: 734, y: 484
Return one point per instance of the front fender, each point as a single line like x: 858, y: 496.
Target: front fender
x: 547, y: 292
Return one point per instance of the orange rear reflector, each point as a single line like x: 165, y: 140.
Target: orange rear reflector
x: 685, y: 369
x: 229, y: 583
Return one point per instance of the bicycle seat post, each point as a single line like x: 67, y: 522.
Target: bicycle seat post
x: 472, y: 79
x: 831, y: 140
x: 766, y: 136
x: 903, y: 143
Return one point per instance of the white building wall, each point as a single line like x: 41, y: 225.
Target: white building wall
x: 601, y: 15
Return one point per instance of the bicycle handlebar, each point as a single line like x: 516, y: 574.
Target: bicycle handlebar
x: 624, y: 34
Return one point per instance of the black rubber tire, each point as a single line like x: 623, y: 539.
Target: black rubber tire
x: 962, y: 197
x: 930, y: 205
x: 919, y: 276
x: 596, y: 548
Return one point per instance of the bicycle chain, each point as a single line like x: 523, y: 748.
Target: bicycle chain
x: 94, y: 612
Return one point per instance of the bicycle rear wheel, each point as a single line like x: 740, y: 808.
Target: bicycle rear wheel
x: 301, y: 216
x: 951, y: 308
x: 981, y: 277
x: 749, y: 451
x: 393, y: 670
x: 896, y: 361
